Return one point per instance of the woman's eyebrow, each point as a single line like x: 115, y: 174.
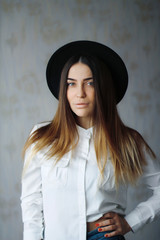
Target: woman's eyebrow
x: 85, y: 79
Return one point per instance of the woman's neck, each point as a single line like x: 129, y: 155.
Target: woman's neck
x: 84, y: 123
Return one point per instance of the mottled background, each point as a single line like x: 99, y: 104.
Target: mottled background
x: 29, y: 32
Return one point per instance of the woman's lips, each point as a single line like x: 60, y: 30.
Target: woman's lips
x: 81, y: 105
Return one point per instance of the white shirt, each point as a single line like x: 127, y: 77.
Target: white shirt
x: 59, y: 200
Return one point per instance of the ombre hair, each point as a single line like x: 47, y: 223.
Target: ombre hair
x: 111, y: 137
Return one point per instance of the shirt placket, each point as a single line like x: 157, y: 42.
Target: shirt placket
x: 85, y: 144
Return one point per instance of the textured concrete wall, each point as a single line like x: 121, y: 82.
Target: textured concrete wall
x: 29, y: 32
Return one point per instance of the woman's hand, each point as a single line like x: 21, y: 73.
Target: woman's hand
x: 115, y: 223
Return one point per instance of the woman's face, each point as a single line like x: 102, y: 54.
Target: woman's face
x: 81, y: 93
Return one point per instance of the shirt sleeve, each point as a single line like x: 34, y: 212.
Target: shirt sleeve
x: 148, y: 210
x: 31, y: 198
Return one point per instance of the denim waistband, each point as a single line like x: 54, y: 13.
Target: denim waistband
x: 95, y: 235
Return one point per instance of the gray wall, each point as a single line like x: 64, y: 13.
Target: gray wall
x: 29, y: 32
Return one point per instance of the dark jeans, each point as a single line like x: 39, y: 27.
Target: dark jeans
x: 95, y: 235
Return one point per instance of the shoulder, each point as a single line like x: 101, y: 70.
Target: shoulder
x: 39, y: 125
x: 134, y: 134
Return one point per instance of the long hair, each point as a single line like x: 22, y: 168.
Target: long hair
x: 111, y: 137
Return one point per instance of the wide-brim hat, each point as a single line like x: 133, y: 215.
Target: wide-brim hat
x: 110, y: 57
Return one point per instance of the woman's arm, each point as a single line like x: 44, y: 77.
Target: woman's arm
x: 31, y: 199
x: 148, y: 210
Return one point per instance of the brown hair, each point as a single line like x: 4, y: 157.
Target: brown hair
x: 111, y: 136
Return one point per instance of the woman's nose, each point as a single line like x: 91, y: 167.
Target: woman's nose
x: 80, y: 91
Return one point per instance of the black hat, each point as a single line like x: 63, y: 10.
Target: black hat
x: 111, y: 58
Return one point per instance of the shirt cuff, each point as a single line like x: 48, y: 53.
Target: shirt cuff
x: 133, y: 221
x: 29, y: 235
x: 138, y: 217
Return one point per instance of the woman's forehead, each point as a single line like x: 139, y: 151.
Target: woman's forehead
x: 79, y: 69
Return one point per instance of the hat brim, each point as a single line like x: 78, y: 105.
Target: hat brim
x: 110, y: 57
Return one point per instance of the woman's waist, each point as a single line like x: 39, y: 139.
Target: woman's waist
x: 97, y: 218
x: 92, y: 225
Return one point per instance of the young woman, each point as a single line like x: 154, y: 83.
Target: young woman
x: 78, y: 166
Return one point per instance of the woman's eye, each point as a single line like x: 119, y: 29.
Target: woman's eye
x: 90, y: 83
x: 70, y: 84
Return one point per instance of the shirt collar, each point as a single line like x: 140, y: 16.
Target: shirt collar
x: 85, y: 132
